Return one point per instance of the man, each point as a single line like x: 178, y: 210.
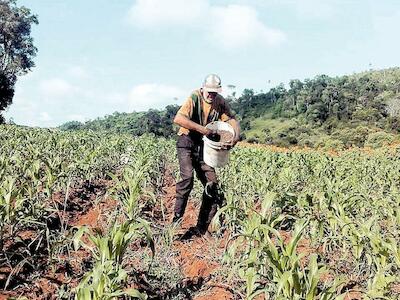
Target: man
x: 203, y: 106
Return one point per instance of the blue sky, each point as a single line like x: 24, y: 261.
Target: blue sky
x: 98, y: 57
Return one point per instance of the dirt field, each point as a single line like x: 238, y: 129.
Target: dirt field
x: 198, y: 261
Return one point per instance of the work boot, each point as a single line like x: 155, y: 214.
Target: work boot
x: 192, y: 232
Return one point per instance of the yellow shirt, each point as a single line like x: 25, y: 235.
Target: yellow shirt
x: 218, y: 104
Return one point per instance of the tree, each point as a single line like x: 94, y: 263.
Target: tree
x: 6, y: 94
x: 295, y: 87
x: 71, y: 125
x: 16, y: 47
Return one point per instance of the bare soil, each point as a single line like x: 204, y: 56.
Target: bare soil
x: 26, y: 266
x: 198, y: 259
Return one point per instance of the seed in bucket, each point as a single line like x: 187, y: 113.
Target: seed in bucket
x: 222, y: 136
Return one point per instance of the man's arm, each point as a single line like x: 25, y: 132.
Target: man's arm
x: 235, y: 124
x: 229, y: 118
x: 185, y: 122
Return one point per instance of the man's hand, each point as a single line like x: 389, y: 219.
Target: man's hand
x: 235, y: 124
x: 229, y: 145
x: 208, y: 131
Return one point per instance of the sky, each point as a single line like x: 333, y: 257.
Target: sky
x: 96, y: 57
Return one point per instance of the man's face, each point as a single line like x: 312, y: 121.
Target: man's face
x: 210, y: 96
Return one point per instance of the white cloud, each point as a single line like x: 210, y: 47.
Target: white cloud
x: 157, y: 96
x: 150, y: 13
x: 231, y: 26
x: 66, y: 99
x: 56, y: 87
x: 238, y: 25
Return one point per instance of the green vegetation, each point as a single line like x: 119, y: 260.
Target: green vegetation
x: 343, y: 209
x: 48, y: 177
x: 159, y: 123
x: 356, y: 110
x: 314, y: 226
x: 331, y: 112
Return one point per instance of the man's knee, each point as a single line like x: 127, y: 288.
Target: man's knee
x: 213, y: 193
x: 209, y: 173
x: 186, y: 173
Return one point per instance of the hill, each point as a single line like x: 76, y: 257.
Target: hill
x: 355, y: 110
x: 153, y: 121
x: 361, y: 109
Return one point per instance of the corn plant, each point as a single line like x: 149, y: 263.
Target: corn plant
x: 129, y: 188
x: 273, y: 268
x: 106, y: 279
x: 105, y: 282
x: 113, y: 245
x: 379, y: 286
x: 351, y: 202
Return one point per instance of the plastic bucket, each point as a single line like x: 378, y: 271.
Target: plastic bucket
x: 213, y: 154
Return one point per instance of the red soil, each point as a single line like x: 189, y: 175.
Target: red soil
x: 353, y: 295
x: 45, y: 278
x: 215, y: 293
x: 90, y: 218
x: 193, y: 258
x: 198, y: 258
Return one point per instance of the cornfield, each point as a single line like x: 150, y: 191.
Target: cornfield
x: 297, y: 224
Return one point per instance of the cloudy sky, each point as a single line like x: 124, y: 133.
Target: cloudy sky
x: 100, y: 56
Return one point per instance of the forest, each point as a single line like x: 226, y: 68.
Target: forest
x: 355, y: 110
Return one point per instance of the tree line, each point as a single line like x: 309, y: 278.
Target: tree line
x: 157, y: 122
x: 343, y: 111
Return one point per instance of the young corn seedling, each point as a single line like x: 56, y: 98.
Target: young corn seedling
x: 11, y: 202
x: 105, y: 282
x: 379, y: 286
x: 114, y: 244
x: 107, y: 278
x: 273, y: 268
x: 129, y: 188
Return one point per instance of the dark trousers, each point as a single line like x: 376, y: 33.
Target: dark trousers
x: 190, y: 156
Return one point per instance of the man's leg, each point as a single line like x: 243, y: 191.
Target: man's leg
x: 211, y: 198
x: 185, y: 185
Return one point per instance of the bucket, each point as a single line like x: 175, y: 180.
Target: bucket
x: 213, y: 154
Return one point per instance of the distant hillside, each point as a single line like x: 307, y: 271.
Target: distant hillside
x: 153, y: 121
x: 355, y: 110
x: 362, y: 109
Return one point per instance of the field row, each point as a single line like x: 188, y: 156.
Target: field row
x: 298, y: 224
